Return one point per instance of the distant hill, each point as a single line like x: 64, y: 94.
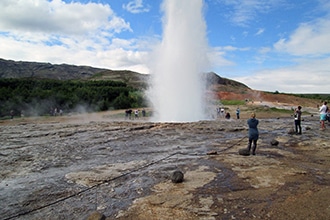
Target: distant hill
x: 223, y: 88
x: 38, y: 70
x: 23, y: 69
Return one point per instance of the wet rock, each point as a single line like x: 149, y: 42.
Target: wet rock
x: 96, y: 216
x: 212, y: 153
x: 291, y: 131
x: 177, y: 177
x: 244, y: 152
x: 274, y: 142
x: 235, y: 129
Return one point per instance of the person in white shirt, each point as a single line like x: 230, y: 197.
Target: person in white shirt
x: 136, y: 113
x: 323, y: 114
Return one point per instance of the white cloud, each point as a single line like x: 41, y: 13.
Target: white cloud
x: 217, y: 57
x: 308, y: 47
x: 136, y: 7
x: 77, y: 53
x: 245, y: 11
x: 73, y: 33
x: 260, y: 31
x: 308, y: 39
x: 232, y: 48
x: 309, y: 76
x: 264, y: 50
x: 262, y: 55
x: 56, y: 16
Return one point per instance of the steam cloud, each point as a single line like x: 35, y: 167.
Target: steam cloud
x: 177, y: 89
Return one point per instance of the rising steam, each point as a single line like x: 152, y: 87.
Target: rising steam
x: 177, y: 89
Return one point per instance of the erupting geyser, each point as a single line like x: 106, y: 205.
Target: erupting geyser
x: 177, y: 89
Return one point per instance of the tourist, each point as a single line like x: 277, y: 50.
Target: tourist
x: 323, y: 114
x: 297, y: 120
x: 227, y: 115
x: 237, y: 112
x: 136, y: 113
x: 11, y: 114
x: 128, y: 114
x: 55, y: 112
x: 222, y: 112
x: 253, y: 133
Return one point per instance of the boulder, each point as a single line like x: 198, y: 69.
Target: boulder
x: 291, y: 131
x: 274, y: 142
x: 177, y: 177
x: 96, y: 216
x: 244, y: 152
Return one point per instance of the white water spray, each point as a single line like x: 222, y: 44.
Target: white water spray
x: 177, y: 90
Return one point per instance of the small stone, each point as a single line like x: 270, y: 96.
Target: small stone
x: 212, y: 153
x: 274, y: 142
x: 291, y: 131
x: 96, y: 216
x: 177, y: 177
x: 244, y: 152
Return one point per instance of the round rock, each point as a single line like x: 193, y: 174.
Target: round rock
x: 274, y: 142
x: 177, y: 177
x: 244, y: 152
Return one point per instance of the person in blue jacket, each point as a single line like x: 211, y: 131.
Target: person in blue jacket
x: 253, y: 133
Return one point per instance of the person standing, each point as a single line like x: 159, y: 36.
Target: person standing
x: 136, y: 113
x: 297, y: 119
x: 222, y: 112
x: 12, y: 114
x: 323, y: 114
x: 253, y: 133
x: 237, y: 112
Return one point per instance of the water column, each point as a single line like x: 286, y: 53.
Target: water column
x: 177, y: 89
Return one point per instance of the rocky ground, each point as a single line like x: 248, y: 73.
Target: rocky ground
x: 94, y: 165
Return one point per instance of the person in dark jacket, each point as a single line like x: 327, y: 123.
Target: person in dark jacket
x: 253, y: 133
x: 297, y: 120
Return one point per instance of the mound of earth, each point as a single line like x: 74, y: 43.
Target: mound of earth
x: 273, y: 98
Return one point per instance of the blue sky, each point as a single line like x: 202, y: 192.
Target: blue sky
x: 273, y: 45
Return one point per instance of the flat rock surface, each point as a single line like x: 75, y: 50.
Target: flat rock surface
x: 71, y: 166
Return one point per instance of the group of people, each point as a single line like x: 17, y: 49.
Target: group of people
x: 253, y: 134
x: 128, y: 113
x: 56, y: 112
x: 223, y: 114
x: 324, y: 114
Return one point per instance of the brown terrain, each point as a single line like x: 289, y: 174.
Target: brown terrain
x: 103, y: 166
